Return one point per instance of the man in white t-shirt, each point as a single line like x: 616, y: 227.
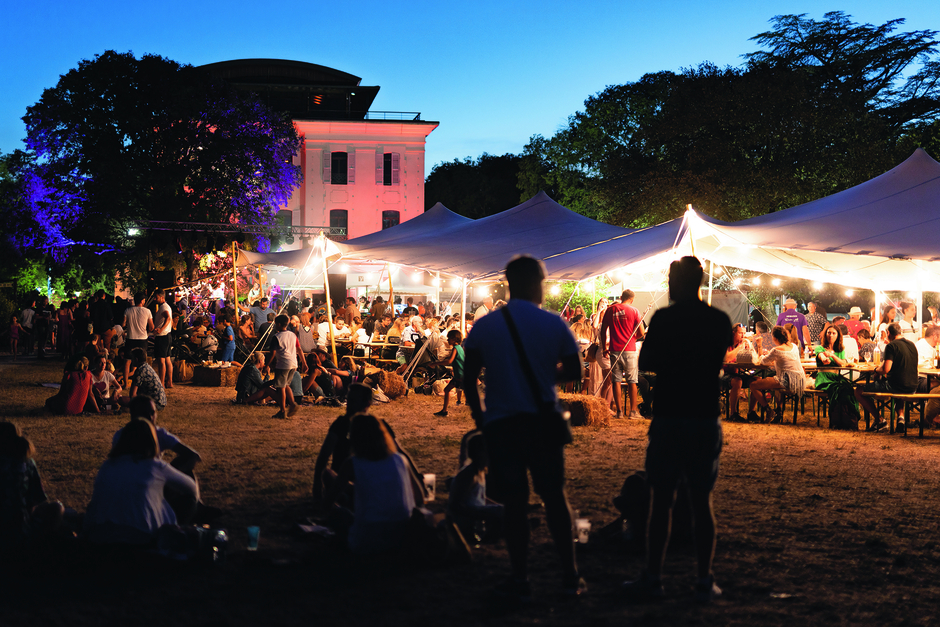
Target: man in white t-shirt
x: 515, y: 424
x: 163, y: 325
x: 138, y: 323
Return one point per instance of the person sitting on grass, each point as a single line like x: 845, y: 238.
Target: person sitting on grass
x: 184, y: 460
x: 75, y: 395
x: 467, y: 504
x: 145, y: 381
x: 386, y: 492
x: 103, y: 381
x: 336, y: 445
x: 455, y: 360
x: 250, y: 381
x: 127, y: 505
x: 26, y: 514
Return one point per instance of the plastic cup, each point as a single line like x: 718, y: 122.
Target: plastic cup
x: 254, y: 534
x: 583, y: 527
x: 430, y: 484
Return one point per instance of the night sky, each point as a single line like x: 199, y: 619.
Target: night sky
x: 492, y: 73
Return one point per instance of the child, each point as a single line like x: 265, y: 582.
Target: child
x: 455, y: 359
x: 467, y: 505
x: 228, y: 341
x: 14, y: 334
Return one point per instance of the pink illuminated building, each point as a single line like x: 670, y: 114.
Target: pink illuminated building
x: 362, y: 170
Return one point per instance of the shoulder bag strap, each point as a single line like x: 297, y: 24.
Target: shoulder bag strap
x: 523, y: 360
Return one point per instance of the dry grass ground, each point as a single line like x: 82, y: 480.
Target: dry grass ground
x: 815, y: 527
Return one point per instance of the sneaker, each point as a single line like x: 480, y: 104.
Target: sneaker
x: 900, y: 427
x: 279, y: 415
x: 443, y: 412
x: 293, y: 410
x: 634, y: 415
x: 706, y: 590
x: 877, y: 426
x: 777, y: 419
x: 644, y: 588
x: 459, y: 403
x: 575, y: 588
x: 736, y: 417
x: 753, y: 417
x: 514, y: 590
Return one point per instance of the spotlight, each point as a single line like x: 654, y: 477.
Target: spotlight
x: 555, y: 290
x: 756, y: 280
x: 775, y: 282
x: 850, y: 293
x: 817, y: 286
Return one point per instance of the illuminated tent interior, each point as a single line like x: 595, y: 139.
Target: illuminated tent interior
x: 883, y: 234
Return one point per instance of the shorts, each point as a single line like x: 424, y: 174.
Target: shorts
x: 513, y: 447
x: 132, y: 344
x: 623, y: 364
x: 688, y: 447
x: 282, y: 378
x: 161, y: 346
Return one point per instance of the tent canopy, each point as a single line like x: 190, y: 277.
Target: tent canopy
x: 881, y: 234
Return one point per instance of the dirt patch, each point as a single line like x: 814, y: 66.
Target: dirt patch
x: 815, y: 526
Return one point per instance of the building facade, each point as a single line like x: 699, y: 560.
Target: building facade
x: 362, y: 170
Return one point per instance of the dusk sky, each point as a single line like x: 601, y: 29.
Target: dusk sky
x: 492, y: 73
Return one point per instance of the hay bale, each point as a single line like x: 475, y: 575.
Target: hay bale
x: 392, y: 384
x: 586, y: 411
x: 216, y: 377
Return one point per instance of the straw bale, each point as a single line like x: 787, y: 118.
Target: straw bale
x: 392, y: 384
x: 216, y: 377
x: 586, y: 411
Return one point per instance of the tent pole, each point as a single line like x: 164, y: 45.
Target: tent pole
x: 876, y: 318
x: 391, y: 291
x: 463, y: 309
x: 920, y: 311
x: 711, y: 279
x: 437, y: 295
x: 326, y: 288
x: 234, y: 279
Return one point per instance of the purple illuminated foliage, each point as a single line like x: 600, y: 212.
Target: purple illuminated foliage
x: 121, y: 140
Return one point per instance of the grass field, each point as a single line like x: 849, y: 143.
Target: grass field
x: 815, y: 527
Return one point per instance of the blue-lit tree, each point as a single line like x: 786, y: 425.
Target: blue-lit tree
x: 121, y: 140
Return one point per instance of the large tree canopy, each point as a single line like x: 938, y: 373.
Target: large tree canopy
x: 121, y: 140
x: 829, y: 105
x: 474, y: 188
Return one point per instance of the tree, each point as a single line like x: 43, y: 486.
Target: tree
x: 794, y: 124
x: 121, y: 140
x: 474, y: 188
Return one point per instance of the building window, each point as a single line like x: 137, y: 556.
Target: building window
x: 339, y: 219
x: 339, y: 168
x: 390, y: 219
x: 387, y: 168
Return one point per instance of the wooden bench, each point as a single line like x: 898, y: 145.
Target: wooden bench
x: 919, y: 401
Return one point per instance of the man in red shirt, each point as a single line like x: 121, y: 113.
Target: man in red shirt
x: 625, y: 325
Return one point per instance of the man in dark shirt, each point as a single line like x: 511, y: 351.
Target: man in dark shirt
x: 685, y: 433
x: 898, y: 370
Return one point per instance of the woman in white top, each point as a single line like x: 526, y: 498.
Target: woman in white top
x: 789, y: 377
x: 386, y: 491
x: 127, y: 505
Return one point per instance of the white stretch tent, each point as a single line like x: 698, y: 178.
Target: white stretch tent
x: 480, y: 249
x: 883, y: 234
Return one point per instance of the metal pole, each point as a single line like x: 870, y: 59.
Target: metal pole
x: 326, y: 287
x: 235, y: 281
x: 391, y: 291
x: 711, y: 280
x: 463, y: 309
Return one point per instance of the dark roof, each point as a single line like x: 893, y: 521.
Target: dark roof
x: 304, y: 90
